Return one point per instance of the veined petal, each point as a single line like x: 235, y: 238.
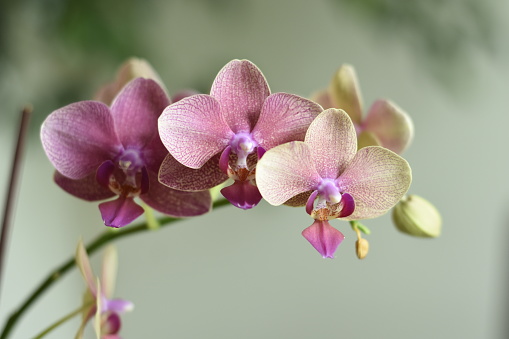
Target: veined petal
x: 377, y: 179
x: 177, y: 176
x: 109, y: 271
x: 176, y: 203
x: 332, y: 140
x: 193, y: 130
x: 87, y: 188
x: 135, y: 112
x: 324, y: 238
x: 83, y: 264
x: 120, y: 212
x: 284, y: 117
x: 345, y: 94
x: 323, y: 99
x: 299, y: 200
x: 391, y: 125
x: 286, y: 171
x: 241, y: 89
x: 77, y: 138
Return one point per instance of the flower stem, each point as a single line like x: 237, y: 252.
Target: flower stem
x: 63, y: 320
x: 13, y: 183
x: 103, y: 239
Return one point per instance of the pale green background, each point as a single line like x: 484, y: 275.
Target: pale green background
x: 250, y: 274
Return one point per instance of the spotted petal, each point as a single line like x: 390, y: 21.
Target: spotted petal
x: 345, y: 94
x: 87, y: 188
x: 193, y: 130
x: 390, y: 124
x: 135, y: 112
x: 332, y: 140
x: 241, y: 89
x: 284, y: 118
x: 177, y: 176
x: 377, y: 179
x: 176, y: 203
x: 286, y: 171
x: 77, y: 138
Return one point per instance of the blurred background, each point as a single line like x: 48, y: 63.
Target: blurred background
x: 250, y: 274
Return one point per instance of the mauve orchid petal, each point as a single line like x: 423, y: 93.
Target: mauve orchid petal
x: 117, y: 305
x: 241, y: 89
x: 390, y: 124
x: 109, y: 271
x: 332, y: 140
x: 176, y: 203
x: 284, y: 117
x: 77, y: 138
x: 87, y: 188
x: 242, y: 194
x: 377, y: 179
x: 135, y: 112
x: 193, y: 130
x: 285, y: 171
x: 104, y: 172
x: 83, y: 264
x: 345, y: 94
x: 324, y: 238
x: 120, y: 212
x: 323, y: 99
x: 177, y: 176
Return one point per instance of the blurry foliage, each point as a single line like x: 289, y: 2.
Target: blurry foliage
x: 441, y: 32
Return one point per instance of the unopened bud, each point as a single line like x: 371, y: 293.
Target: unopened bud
x: 362, y: 248
x: 416, y: 216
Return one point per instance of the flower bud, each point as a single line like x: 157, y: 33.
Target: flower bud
x: 362, y: 248
x: 416, y: 216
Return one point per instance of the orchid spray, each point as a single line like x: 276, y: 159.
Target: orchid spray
x: 134, y: 143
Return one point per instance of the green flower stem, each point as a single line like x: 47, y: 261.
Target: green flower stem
x: 63, y: 320
x: 103, y: 239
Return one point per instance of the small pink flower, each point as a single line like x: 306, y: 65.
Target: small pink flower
x: 100, y: 152
x: 105, y: 310
x: 334, y: 180
x: 386, y: 124
x: 222, y: 135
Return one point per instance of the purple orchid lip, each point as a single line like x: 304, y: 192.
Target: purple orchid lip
x: 242, y: 194
x: 323, y: 237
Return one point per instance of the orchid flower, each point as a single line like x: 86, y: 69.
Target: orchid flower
x: 386, y: 124
x: 105, y: 310
x: 222, y: 135
x: 332, y: 179
x: 100, y: 152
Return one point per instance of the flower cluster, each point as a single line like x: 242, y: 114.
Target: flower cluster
x: 281, y: 147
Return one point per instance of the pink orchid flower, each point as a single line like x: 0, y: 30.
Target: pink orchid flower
x: 386, y: 124
x: 100, y: 152
x: 105, y: 310
x: 222, y: 135
x: 334, y: 180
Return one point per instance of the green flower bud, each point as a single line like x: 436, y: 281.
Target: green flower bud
x: 416, y: 216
